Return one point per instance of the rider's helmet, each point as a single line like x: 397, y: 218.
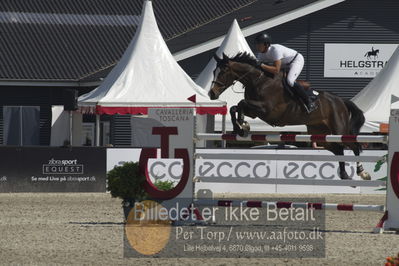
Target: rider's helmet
x: 263, y: 38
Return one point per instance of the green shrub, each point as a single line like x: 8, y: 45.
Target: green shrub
x: 377, y: 167
x: 164, y: 185
x: 126, y: 182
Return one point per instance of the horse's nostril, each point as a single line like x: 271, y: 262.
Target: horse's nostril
x: 212, y: 95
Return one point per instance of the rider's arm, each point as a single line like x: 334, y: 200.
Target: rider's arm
x: 274, y: 69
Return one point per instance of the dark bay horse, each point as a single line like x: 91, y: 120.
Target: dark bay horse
x: 266, y: 98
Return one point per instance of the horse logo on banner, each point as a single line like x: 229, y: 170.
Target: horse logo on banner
x: 373, y: 53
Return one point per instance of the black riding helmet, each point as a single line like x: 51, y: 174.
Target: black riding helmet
x: 263, y: 38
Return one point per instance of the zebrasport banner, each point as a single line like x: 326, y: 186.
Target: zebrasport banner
x: 48, y: 169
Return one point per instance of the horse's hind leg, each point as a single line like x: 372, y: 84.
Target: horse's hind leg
x: 337, y: 149
x: 356, y: 148
x: 339, y: 125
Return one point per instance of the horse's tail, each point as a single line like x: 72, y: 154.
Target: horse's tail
x: 357, y: 118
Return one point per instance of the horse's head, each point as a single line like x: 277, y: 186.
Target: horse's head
x: 224, y: 76
x: 242, y: 67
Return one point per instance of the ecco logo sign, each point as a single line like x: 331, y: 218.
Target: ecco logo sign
x: 165, y: 168
x: 312, y: 170
x: 255, y: 169
x: 263, y: 169
x: 171, y: 169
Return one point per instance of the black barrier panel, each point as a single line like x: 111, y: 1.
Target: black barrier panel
x: 48, y: 169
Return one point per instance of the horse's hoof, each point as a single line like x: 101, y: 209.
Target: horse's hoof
x: 365, y: 175
x: 245, y: 126
x: 242, y: 133
x: 344, y: 176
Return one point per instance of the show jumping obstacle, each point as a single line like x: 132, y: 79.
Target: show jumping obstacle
x: 390, y: 219
x: 293, y: 138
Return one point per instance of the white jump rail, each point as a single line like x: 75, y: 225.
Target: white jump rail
x: 288, y: 204
x: 295, y: 138
x: 286, y: 157
x: 287, y: 181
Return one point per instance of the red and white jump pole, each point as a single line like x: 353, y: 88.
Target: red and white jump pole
x: 295, y: 138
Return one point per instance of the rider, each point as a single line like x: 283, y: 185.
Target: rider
x: 283, y: 57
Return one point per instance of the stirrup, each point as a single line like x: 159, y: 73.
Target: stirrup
x: 306, y: 108
x: 311, y: 107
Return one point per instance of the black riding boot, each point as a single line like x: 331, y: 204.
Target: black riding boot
x: 300, y: 91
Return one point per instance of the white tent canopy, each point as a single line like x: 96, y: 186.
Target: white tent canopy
x: 234, y: 43
x: 375, y: 99
x: 146, y: 76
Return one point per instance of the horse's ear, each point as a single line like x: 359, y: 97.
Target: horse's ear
x: 225, y: 57
x: 218, y: 60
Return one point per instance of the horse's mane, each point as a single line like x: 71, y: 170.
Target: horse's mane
x: 244, y: 57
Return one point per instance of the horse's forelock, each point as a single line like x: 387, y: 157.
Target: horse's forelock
x: 222, y: 63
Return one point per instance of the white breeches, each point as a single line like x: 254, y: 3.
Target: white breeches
x: 295, y: 69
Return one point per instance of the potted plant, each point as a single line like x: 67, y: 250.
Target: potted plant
x: 392, y: 260
x: 127, y: 183
x: 378, y: 166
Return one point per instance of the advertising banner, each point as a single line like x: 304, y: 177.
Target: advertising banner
x: 258, y: 169
x: 355, y: 60
x: 47, y: 169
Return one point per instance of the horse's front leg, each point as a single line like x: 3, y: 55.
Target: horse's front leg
x: 237, y: 119
x: 233, y: 114
x: 247, y: 108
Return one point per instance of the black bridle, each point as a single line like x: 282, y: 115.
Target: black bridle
x: 219, y: 83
